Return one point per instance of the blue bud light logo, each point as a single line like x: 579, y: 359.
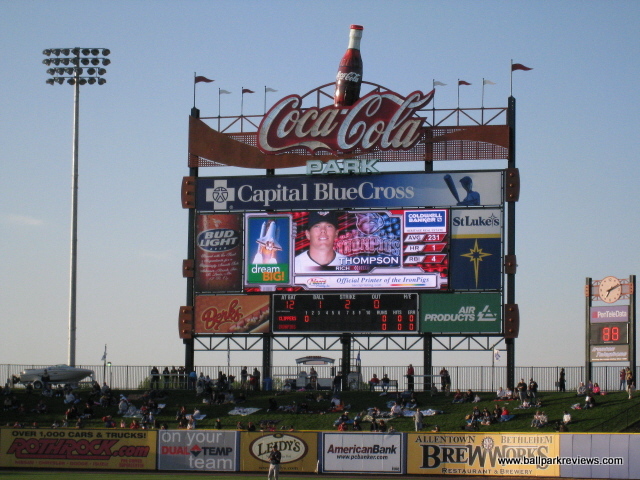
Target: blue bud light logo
x: 218, y: 240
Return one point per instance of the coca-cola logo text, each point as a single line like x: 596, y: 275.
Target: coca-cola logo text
x: 378, y: 120
x: 349, y: 77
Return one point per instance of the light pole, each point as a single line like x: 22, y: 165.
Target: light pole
x: 76, y: 66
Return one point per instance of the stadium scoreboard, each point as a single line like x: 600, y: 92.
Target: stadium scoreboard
x: 346, y: 312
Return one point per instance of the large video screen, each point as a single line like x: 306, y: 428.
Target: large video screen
x: 347, y: 250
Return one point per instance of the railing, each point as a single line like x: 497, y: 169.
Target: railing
x: 480, y: 378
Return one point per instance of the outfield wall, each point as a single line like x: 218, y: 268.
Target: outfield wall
x: 442, y: 453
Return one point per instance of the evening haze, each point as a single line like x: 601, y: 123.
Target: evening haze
x: 577, y: 147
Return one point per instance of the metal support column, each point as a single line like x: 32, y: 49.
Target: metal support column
x: 189, y: 344
x: 345, y: 340
x: 267, y: 356
x: 428, y: 360
x: 510, y: 294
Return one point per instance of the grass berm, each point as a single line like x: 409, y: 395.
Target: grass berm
x: 614, y: 412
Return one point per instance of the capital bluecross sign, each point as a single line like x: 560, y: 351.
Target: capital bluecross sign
x: 326, y: 192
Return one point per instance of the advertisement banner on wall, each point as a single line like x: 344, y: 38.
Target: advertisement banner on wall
x: 611, y: 313
x: 84, y: 449
x: 231, y: 314
x: 299, y: 451
x: 609, y: 353
x: 331, y: 192
x: 482, y: 454
x: 197, y: 450
x: 362, y: 452
x: 476, y: 249
x: 461, y: 313
x: 218, y: 262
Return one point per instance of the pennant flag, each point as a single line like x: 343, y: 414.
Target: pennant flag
x: 519, y: 66
x: 358, y: 357
x: 246, y: 90
x: 268, y: 89
x: 462, y: 82
x: 496, y: 354
x: 224, y: 92
x: 487, y: 82
x: 436, y: 83
x: 200, y: 78
x: 104, y: 356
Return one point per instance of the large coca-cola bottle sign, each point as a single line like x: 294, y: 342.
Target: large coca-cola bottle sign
x: 349, y: 77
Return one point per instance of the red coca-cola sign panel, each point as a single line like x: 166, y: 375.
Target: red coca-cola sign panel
x: 379, y: 120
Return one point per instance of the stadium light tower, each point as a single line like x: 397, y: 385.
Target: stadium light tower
x: 75, y: 66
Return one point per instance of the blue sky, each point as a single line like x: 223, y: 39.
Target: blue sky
x: 577, y: 143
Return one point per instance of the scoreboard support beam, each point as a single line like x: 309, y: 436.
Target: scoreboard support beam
x: 345, y: 340
x: 428, y: 360
x: 588, y: 372
x: 267, y: 356
x: 510, y: 287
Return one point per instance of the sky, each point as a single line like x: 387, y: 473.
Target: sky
x: 577, y: 146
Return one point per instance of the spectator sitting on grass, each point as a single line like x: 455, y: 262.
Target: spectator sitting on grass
x: 589, y: 401
x: 581, y: 390
x: 458, y: 397
x: 469, y: 396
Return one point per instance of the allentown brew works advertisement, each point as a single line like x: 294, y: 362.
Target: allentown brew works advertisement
x: 299, y: 451
x: 85, y: 449
x: 362, y: 453
x: 479, y: 454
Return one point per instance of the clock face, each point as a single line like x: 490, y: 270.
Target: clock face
x: 610, y: 289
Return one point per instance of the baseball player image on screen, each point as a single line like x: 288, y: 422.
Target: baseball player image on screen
x: 322, y: 233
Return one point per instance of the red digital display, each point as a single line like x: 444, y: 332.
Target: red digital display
x: 609, y: 333
x: 374, y: 312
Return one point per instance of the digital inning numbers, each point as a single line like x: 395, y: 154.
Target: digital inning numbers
x: 377, y: 312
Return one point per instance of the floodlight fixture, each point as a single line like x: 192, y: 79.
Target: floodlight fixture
x: 75, y: 75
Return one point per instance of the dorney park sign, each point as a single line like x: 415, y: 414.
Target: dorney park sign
x: 382, y: 125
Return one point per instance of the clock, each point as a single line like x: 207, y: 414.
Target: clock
x: 610, y: 289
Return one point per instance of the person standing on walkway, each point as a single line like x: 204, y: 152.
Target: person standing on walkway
x: 562, y: 381
x: 410, y: 373
x: 274, y: 463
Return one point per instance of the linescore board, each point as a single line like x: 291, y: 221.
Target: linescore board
x: 373, y: 312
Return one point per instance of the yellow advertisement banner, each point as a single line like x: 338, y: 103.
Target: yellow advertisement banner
x: 299, y: 451
x: 507, y: 454
x: 71, y: 448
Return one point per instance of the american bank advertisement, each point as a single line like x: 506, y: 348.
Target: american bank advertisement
x: 506, y: 454
x: 84, y: 449
x: 362, y: 453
